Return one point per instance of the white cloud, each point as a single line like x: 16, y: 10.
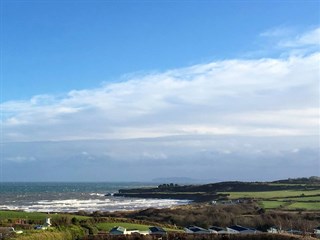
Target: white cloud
x: 223, y: 115
x: 233, y: 97
x: 311, y: 37
x: 282, y: 31
x: 257, y: 97
x: 20, y: 159
x: 287, y: 41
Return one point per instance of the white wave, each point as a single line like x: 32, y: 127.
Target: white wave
x: 91, y: 205
x: 97, y: 194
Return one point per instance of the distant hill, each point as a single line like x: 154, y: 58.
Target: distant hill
x: 232, y: 186
x: 310, y: 180
x: 220, y: 190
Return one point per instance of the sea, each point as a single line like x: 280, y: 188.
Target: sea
x: 73, y: 197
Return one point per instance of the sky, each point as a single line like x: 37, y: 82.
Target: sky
x: 137, y: 90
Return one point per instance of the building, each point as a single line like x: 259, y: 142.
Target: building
x: 294, y: 231
x: 118, y: 231
x: 157, y: 231
x: 132, y: 231
x: 240, y: 229
x: 196, y: 230
x: 48, y: 222
x: 217, y: 230
x: 40, y: 227
x: 273, y: 230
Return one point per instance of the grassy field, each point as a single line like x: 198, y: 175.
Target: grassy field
x: 107, y: 226
x: 33, y: 215
x: 285, y: 200
x: 305, y: 199
x: 23, y: 215
x: 304, y: 206
x: 272, y: 194
x: 271, y: 204
x: 311, y: 206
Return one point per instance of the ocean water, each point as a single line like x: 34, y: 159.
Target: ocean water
x: 73, y: 197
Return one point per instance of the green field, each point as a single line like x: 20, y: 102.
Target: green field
x: 285, y: 200
x: 271, y: 204
x: 272, y: 194
x: 33, y: 215
x: 304, y: 199
x: 290, y: 205
x: 311, y: 206
x: 107, y: 226
x: 304, y: 206
x: 23, y: 215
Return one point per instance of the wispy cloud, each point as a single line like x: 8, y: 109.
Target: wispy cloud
x: 289, y: 41
x: 307, y: 39
x: 278, y: 32
x: 20, y: 159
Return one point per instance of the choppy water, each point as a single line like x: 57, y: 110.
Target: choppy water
x: 73, y: 197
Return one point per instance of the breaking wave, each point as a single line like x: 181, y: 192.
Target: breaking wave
x: 74, y: 197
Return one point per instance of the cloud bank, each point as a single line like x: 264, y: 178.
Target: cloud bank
x: 271, y: 98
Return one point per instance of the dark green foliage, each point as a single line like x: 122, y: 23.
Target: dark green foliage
x: 205, y: 215
x: 62, y: 220
x: 183, y: 236
x: 75, y: 221
x: 91, y: 229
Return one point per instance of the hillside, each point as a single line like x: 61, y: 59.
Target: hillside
x: 290, y: 194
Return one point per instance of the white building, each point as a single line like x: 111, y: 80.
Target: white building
x: 48, y: 222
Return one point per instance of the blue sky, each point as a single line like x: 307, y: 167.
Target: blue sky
x: 56, y: 46
x: 195, y: 89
